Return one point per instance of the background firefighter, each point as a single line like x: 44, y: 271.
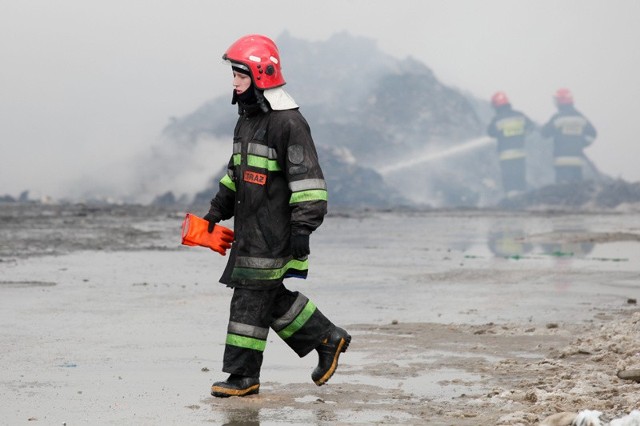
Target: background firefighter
x: 571, y: 133
x: 509, y: 127
x: 275, y: 190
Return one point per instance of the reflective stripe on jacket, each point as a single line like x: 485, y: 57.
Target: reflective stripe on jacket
x: 568, y: 161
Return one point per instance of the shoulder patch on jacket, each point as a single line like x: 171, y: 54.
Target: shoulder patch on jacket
x: 295, y: 153
x: 298, y: 170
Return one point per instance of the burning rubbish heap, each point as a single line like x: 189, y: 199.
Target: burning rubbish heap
x: 395, y: 110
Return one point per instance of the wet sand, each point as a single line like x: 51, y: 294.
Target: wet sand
x: 457, y: 318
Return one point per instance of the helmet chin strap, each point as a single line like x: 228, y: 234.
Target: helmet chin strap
x: 262, y: 101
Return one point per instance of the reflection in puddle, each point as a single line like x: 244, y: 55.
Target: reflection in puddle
x: 518, y: 239
x: 506, y: 239
x: 570, y: 244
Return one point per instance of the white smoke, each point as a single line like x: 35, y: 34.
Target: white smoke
x: 183, y: 169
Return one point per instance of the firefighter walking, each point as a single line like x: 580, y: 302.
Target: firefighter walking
x: 275, y: 190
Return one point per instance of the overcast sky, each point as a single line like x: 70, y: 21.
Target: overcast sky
x: 85, y: 85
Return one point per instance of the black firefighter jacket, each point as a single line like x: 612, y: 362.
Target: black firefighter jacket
x: 273, y: 188
x: 571, y: 132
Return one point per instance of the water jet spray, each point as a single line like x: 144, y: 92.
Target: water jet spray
x: 451, y: 151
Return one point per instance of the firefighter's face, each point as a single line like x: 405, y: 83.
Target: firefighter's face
x: 241, y: 82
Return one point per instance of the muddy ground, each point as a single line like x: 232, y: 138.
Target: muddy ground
x: 457, y: 318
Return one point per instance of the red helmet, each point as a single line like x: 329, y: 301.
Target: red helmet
x: 259, y: 56
x: 499, y: 99
x: 563, y: 97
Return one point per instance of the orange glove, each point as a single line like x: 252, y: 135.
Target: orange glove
x: 195, y: 233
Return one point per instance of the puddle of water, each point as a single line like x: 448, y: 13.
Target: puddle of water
x: 318, y: 415
x: 432, y: 384
x: 444, y: 384
x: 623, y: 255
x: 435, y: 385
x: 354, y: 361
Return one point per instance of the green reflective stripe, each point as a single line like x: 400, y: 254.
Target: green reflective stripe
x: 269, y: 274
x: 226, y: 181
x: 311, y: 195
x: 263, y: 163
x: 257, y: 161
x: 300, y: 320
x: 246, y: 342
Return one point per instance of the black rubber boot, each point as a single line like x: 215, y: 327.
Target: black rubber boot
x: 329, y: 351
x: 236, y: 385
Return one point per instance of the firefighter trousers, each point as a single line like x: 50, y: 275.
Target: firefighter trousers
x: 253, y: 312
x: 566, y: 174
x: 513, y: 173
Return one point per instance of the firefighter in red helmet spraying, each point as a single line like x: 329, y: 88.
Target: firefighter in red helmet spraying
x: 510, y: 127
x: 571, y: 132
x: 275, y: 190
